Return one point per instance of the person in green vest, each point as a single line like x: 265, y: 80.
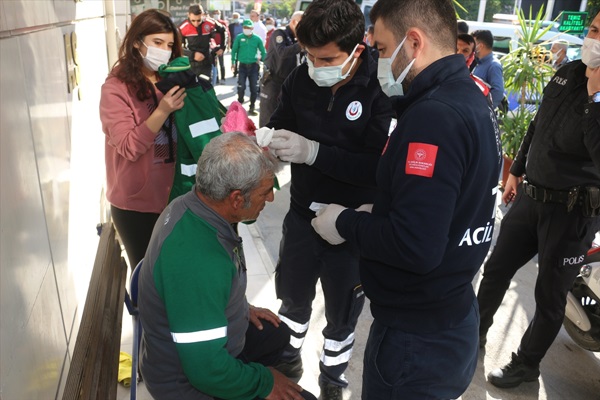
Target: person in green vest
x: 245, y: 51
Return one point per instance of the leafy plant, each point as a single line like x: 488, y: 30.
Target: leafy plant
x: 526, y: 70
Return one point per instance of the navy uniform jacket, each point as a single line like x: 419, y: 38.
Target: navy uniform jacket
x: 432, y: 221
x: 562, y: 146
x: 351, y: 127
x: 283, y: 54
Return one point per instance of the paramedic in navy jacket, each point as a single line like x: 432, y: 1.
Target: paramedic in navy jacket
x: 430, y: 227
x: 332, y: 123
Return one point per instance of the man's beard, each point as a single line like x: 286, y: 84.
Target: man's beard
x: 402, y: 62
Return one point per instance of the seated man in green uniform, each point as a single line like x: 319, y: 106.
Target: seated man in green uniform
x: 201, y: 339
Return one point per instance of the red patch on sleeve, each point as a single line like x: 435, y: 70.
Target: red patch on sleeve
x: 420, y: 159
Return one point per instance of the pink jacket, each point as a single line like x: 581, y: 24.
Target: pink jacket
x: 138, y: 179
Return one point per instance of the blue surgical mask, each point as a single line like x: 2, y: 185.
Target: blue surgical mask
x: 329, y: 76
x: 389, y: 85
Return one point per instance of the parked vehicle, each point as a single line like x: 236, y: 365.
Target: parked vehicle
x: 504, y: 33
x: 582, y: 313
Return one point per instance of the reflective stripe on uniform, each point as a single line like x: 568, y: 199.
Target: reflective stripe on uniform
x: 200, y: 336
x: 334, y: 345
x: 337, y: 360
x: 204, y: 127
x: 189, y: 169
x: 295, y: 326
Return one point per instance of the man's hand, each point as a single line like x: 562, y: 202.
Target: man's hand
x: 198, y: 56
x: 593, y: 84
x: 283, y: 388
x: 510, y: 189
x: 290, y: 146
x: 324, y: 223
x: 258, y: 313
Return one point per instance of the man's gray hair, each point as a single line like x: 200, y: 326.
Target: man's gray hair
x: 232, y: 161
x: 296, y: 16
x: 561, y: 44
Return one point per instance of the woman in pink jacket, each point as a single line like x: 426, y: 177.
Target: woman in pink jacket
x: 140, y: 143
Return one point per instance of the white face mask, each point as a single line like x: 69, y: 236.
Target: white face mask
x: 270, y: 27
x: 248, y: 32
x: 389, y: 85
x: 155, y: 57
x: 590, y: 52
x: 329, y: 76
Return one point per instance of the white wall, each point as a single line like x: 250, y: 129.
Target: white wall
x: 51, y: 175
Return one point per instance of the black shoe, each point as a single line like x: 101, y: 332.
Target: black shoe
x: 251, y: 111
x: 513, y: 374
x: 292, y: 369
x: 241, y: 101
x: 330, y: 392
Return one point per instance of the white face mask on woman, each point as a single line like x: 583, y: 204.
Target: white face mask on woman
x: 590, y: 52
x: 385, y: 75
x: 329, y: 76
x: 155, y: 57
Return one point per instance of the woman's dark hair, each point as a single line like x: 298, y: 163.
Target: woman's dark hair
x: 128, y: 68
x: 326, y: 21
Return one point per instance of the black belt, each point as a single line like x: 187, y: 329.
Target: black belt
x: 537, y: 193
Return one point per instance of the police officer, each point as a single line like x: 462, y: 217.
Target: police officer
x: 555, y: 210
x: 195, y: 47
x: 332, y: 124
x: 283, y: 56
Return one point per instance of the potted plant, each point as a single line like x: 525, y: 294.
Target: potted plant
x: 526, y: 70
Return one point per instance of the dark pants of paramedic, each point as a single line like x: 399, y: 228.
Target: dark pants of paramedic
x: 559, y: 238
x: 270, y: 89
x: 304, y: 258
x: 134, y: 229
x: 249, y: 71
x: 402, y: 365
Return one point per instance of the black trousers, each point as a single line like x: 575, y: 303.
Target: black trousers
x: 303, y: 259
x: 560, y: 239
x: 134, y: 229
x: 221, y: 60
x: 269, y: 98
x: 250, y: 72
x: 265, y: 347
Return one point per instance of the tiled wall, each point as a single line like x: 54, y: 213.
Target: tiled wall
x: 51, y: 177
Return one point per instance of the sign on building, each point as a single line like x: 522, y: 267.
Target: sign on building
x: 573, y: 22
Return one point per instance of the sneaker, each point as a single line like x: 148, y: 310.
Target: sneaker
x: 513, y: 374
x: 330, y: 392
x: 292, y: 369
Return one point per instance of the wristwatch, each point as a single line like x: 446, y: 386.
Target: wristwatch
x: 595, y: 98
